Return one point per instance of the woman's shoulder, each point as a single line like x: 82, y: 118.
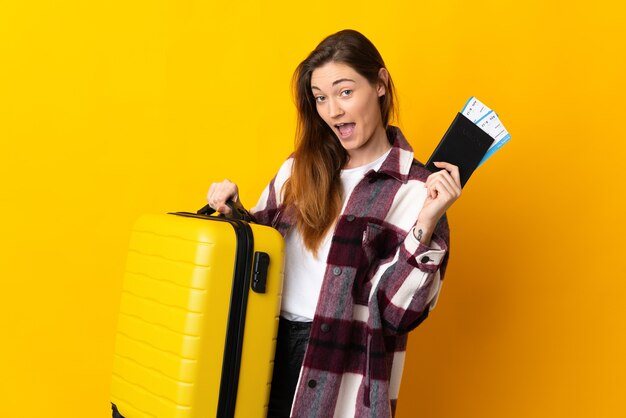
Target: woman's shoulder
x: 286, y: 167
x: 284, y: 172
x: 418, y: 171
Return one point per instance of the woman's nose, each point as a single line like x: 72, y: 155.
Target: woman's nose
x: 334, y: 109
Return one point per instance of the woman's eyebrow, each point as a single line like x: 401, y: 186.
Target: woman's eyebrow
x: 341, y: 80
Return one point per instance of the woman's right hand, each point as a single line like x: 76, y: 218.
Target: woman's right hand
x: 220, y: 193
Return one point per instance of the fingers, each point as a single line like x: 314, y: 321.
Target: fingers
x: 220, y: 193
x: 450, y: 174
x: 452, y: 169
x: 443, y: 189
x: 444, y: 184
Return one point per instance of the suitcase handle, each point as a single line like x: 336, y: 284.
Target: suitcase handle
x: 237, y: 213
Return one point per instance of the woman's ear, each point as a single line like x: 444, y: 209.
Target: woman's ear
x: 383, y: 82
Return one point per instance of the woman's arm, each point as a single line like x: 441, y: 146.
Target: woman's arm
x: 443, y: 189
x: 408, y: 287
x: 269, y: 201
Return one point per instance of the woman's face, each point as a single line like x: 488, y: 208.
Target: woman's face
x: 349, y: 105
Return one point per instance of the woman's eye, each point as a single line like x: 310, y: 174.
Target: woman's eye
x: 320, y: 99
x: 346, y: 92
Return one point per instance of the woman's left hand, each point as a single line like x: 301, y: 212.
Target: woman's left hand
x: 443, y: 189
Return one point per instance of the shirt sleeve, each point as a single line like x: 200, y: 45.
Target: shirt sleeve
x: 270, y: 201
x: 408, y: 286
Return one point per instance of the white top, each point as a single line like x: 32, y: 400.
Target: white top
x: 304, y: 272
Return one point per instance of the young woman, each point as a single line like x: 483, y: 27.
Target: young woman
x: 366, y: 238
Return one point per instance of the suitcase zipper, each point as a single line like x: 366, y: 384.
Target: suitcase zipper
x: 233, y: 345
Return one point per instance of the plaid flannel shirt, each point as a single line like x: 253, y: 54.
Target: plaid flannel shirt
x: 380, y: 283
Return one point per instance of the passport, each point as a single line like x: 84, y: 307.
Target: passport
x: 475, y: 134
x: 464, y: 145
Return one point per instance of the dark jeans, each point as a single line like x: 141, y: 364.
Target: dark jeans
x: 293, y: 338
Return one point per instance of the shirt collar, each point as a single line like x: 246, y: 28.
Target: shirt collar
x: 398, y: 162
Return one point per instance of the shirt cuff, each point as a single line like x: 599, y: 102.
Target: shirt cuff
x: 427, y: 258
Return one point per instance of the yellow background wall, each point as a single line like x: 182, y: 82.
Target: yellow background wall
x: 112, y: 109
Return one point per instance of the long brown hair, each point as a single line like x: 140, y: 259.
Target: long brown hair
x: 314, y: 188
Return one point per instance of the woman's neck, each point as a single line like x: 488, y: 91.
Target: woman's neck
x: 376, y: 146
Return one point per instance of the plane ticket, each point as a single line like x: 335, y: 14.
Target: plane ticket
x: 489, y: 122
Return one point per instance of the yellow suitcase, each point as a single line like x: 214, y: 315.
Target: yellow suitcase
x: 198, y: 318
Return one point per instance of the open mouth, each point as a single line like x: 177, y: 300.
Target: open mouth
x: 345, y: 129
